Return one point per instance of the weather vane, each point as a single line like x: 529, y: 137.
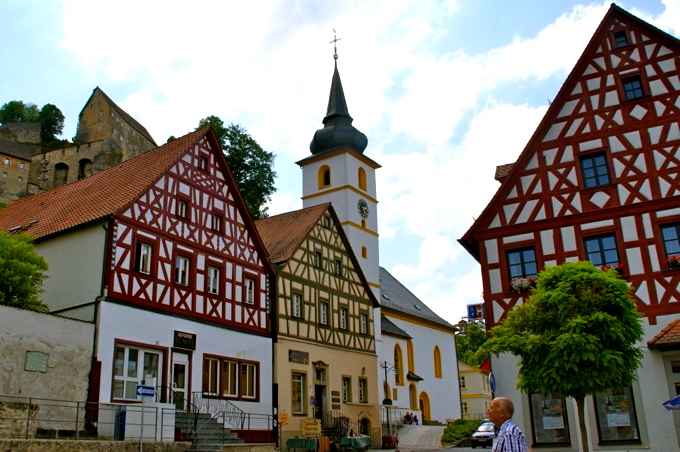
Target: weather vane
x: 335, y: 45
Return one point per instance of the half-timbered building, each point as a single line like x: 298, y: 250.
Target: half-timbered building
x: 324, y: 345
x: 598, y: 181
x: 161, y: 253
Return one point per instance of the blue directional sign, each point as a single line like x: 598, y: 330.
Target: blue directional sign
x: 145, y: 391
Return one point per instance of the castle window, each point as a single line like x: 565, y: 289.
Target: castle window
x: 84, y: 168
x: 522, y: 263
x: 6, y: 161
x: 22, y: 165
x: 324, y: 176
x: 60, y: 174
x: 601, y: 250
x: 632, y: 87
x: 362, y: 178
x: 595, y: 169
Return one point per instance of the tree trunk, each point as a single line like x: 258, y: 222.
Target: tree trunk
x: 582, y: 424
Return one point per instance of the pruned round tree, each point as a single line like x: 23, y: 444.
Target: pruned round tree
x: 577, y: 334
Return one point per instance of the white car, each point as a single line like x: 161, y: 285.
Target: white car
x: 484, y: 435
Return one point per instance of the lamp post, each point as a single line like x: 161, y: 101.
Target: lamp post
x: 387, y: 402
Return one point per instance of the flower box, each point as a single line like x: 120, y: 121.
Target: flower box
x: 520, y: 285
x: 673, y: 262
x: 619, y: 268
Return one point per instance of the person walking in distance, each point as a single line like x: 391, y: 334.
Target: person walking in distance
x: 509, y: 437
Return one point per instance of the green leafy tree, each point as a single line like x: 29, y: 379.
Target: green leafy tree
x: 22, y: 272
x: 51, y: 119
x: 251, y: 165
x: 575, y: 335
x: 469, y: 344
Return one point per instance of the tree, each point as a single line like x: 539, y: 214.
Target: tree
x: 469, y: 344
x: 22, y: 272
x: 250, y: 165
x: 575, y: 335
x: 51, y: 119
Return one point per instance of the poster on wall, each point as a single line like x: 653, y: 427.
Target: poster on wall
x: 618, y: 414
x: 552, y: 414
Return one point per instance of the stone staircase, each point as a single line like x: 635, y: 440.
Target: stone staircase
x: 212, y: 435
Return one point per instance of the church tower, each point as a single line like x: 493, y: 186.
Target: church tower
x: 340, y: 173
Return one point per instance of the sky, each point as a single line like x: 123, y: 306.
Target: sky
x: 445, y: 91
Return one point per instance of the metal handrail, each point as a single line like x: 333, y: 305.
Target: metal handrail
x: 230, y: 413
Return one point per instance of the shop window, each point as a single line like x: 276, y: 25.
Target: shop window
x: 133, y: 366
x: 549, y: 422
x: 298, y: 396
x: 616, y: 416
x: 230, y: 378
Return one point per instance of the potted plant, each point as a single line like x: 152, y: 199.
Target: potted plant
x: 618, y: 267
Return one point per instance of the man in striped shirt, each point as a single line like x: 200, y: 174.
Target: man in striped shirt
x: 509, y: 438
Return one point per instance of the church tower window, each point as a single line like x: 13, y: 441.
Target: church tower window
x: 362, y: 178
x: 324, y: 176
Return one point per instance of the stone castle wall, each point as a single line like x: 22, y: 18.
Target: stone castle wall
x: 21, y: 132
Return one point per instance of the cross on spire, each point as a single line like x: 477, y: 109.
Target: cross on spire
x: 335, y: 45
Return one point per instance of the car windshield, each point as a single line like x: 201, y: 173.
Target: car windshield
x: 486, y: 428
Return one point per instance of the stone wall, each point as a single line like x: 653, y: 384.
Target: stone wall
x: 21, y: 132
x: 44, y: 356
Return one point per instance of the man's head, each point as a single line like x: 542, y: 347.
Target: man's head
x: 500, y: 410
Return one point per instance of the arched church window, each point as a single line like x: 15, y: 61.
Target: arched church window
x: 398, y: 366
x: 437, y: 362
x: 362, y: 178
x: 324, y: 176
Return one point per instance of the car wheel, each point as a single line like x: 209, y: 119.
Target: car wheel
x: 473, y: 444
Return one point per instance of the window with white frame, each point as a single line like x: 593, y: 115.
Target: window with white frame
x: 363, y: 323
x: 462, y: 381
x: 217, y: 222
x: 213, y: 279
x: 133, y: 366
x: 318, y: 259
x: 296, y: 309
x: 298, y: 393
x: 338, y: 267
x: 182, y: 266
x: 182, y: 209
x: 230, y: 378
x: 249, y: 287
x: 363, y: 390
x: 143, y: 257
x: 346, y: 389
x: 343, y: 318
x: 323, y: 313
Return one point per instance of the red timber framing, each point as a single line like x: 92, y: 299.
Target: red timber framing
x: 620, y: 102
x: 183, y: 248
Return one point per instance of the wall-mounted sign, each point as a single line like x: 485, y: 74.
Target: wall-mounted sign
x: 295, y: 356
x: 36, y: 361
x: 184, y: 340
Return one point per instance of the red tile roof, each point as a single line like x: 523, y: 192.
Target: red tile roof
x: 97, y: 196
x: 668, y: 338
x: 283, y: 234
x: 502, y: 171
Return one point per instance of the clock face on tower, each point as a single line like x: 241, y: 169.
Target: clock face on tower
x: 363, y: 208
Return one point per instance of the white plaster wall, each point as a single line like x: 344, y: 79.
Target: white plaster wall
x: 68, y: 344
x: 76, y: 268
x: 443, y: 392
x: 118, y: 321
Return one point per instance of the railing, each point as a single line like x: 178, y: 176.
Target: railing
x: 38, y: 418
x: 227, y: 411
x: 337, y: 425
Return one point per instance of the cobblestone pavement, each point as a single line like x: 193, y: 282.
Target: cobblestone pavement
x: 420, y: 437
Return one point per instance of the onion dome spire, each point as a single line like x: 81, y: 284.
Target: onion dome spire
x: 338, y: 131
